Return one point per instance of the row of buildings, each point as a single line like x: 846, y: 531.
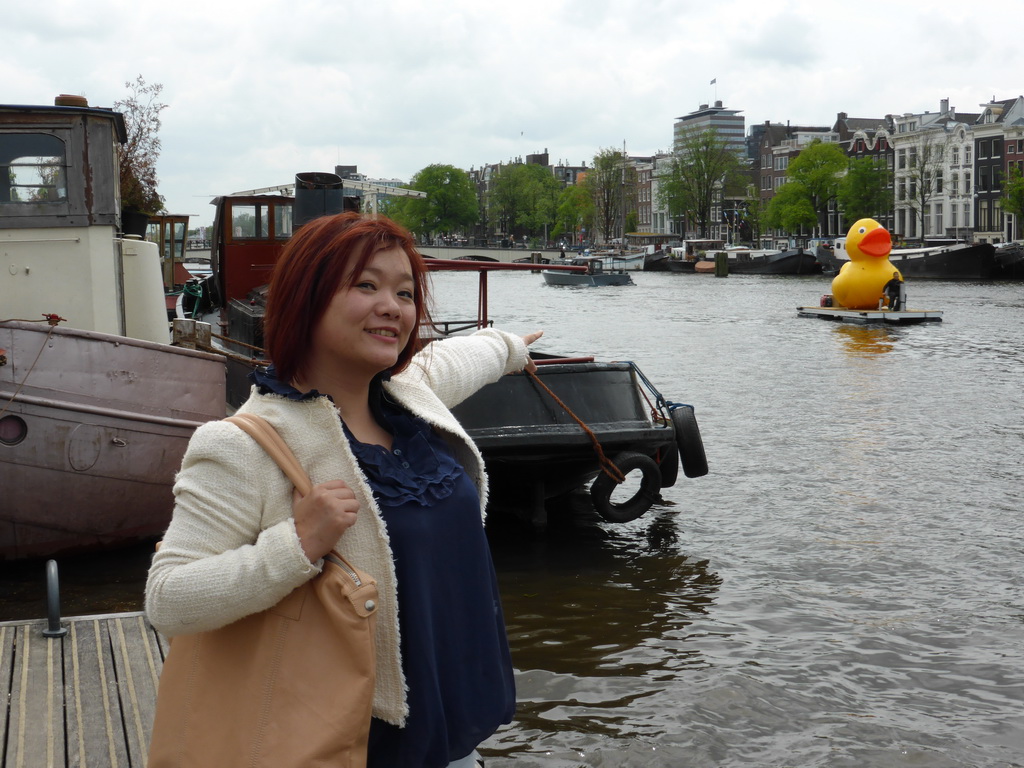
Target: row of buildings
x: 948, y: 170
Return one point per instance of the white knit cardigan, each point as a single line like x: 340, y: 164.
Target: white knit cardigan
x: 231, y: 548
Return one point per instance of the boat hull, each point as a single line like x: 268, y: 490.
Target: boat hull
x: 533, y: 448
x: 794, y: 262
x: 94, y: 430
x: 955, y: 262
x: 587, y: 280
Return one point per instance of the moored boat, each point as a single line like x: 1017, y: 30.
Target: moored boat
x: 795, y: 261
x: 1010, y: 260
x: 96, y: 405
x: 952, y: 261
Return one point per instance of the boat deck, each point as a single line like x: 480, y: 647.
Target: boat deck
x: 84, y: 699
x: 841, y: 314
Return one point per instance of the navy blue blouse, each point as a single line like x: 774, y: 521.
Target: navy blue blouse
x: 454, y: 647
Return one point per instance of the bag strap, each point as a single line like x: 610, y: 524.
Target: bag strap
x: 269, y: 439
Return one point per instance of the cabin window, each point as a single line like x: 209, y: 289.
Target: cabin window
x: 282, y: 222
x: 249, y: 222
x: 33, y: 168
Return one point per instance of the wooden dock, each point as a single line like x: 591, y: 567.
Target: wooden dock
x: 84, y: 700
x: 898, y: 317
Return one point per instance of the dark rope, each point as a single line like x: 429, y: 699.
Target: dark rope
x: 607, y: 465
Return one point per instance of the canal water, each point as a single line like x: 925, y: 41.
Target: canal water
x: 844, y: 588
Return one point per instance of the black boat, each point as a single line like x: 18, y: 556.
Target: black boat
x: 576, y: 422
x: 1010, y: 259
x: 795, y: 261
x: 952, y: 261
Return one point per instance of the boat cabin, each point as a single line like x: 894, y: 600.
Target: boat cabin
x: 60, y: 219
x: 694, y: 250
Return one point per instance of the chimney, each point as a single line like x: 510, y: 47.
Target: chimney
x: 316, y: 195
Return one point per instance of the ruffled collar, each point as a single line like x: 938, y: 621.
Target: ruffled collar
x: 419, y: 467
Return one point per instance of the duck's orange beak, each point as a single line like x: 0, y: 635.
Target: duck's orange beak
x: 877, y: 243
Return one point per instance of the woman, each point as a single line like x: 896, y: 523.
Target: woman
x: 399, y: 488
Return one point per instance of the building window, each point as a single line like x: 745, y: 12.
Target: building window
x: 952, y: 216
x: 997, y: 148
x: 982, y: 149
x: 954, y: 182
x: 955, y: 157
x: 967, y: 155
x: 967, y: 182
x: 938, y: 220
x: 901, y: 158
x: 938, y: 181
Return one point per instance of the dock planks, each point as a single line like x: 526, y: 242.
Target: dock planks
x: 84, y: 700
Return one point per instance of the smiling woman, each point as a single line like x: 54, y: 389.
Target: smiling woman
x: 397, y: 487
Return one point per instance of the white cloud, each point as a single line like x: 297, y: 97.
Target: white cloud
x: 261, y: 90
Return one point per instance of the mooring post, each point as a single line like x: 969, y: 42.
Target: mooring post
x: 53, y: 626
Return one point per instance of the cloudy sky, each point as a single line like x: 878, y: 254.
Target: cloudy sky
x: 258, y: 91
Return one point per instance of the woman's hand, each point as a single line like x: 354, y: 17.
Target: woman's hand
x: 528, y: 339
x: 322, y: 516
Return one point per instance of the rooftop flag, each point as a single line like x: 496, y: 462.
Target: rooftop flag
x: 714, y: 81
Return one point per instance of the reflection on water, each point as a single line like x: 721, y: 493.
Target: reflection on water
x: 866, y: 340
x: 845, y: 588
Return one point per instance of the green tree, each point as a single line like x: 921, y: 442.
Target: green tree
x: 818, y: 170
x: 612, y: 184
x: 449, y: 207
x: 523, y: 199
x: 791, y: 208
x: 1013, y: 195
x: 703, y: 166
x: 138, y: 155
x: 575, y: 212
x: 866, y: 190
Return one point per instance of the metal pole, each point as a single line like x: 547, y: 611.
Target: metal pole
x: 53, y: 627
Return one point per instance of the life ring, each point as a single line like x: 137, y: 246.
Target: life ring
x: 649, y: 492
x: 691, y: 446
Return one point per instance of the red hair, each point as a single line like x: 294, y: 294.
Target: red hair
x: 326, y: 254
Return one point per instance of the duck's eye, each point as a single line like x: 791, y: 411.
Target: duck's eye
x: 862, y: 230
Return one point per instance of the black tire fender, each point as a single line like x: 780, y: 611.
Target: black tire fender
x: 649, y: 492
x: 691, y: 446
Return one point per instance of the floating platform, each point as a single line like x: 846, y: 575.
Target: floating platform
x: 84, y: 699
x: 901, y: 317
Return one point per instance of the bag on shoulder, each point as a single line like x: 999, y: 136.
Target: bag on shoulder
x: 289, y: 687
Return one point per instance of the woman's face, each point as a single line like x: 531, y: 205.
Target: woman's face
x: 367, y: 325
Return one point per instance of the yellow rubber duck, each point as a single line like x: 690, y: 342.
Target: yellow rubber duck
x: 860, y: 284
